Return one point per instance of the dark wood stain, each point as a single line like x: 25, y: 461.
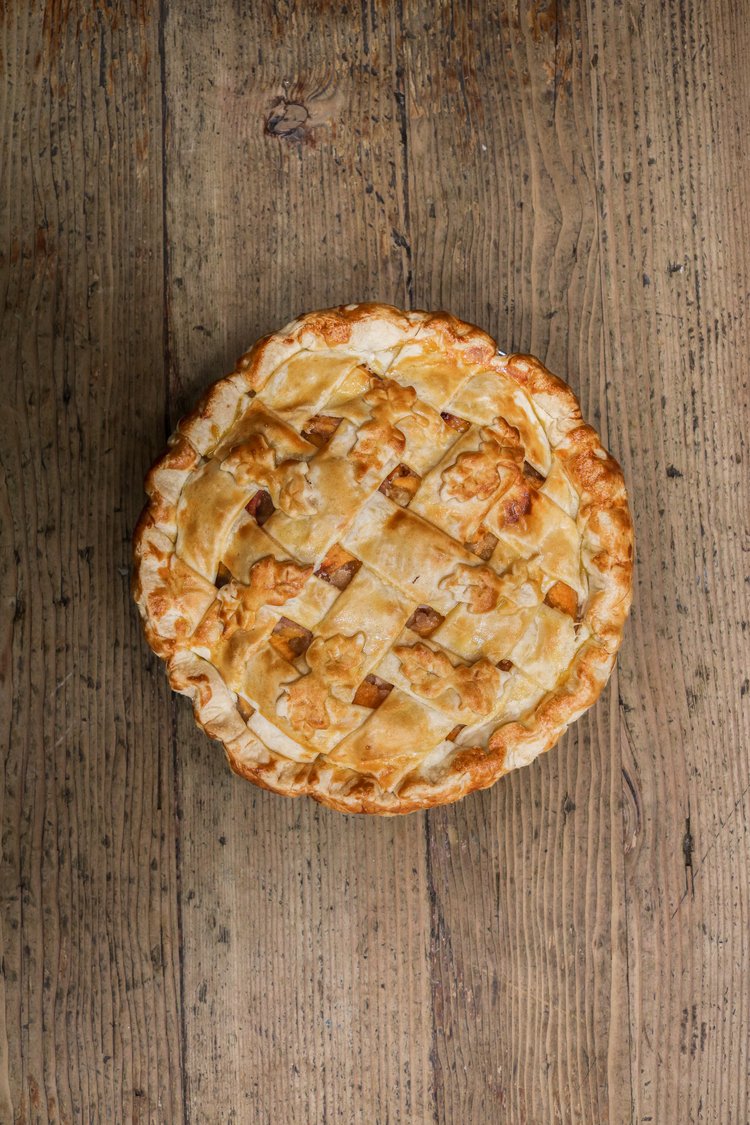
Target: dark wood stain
x: 184, y: 177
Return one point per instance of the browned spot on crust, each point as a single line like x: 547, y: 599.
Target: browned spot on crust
x: 372, y: 692
x: 335, y: 325
x: 563, y: 597
x: 338, y: 567
x: 180, y: 455
x: 516, y: 508
x: 363, y: 788
x: 401, y: 485
x: 424, y: 620
x: 476, y: 345
x: 505, y: 665
x: 260, y: 507
x: 484, y: 766
x: 459, y: 424
x: 320, y: 428
x: 593, y: 469
x: 396, y: 522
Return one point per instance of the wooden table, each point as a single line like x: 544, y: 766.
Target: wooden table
x: 179, y: 178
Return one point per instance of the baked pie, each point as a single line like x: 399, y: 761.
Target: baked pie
x: 386, y: 562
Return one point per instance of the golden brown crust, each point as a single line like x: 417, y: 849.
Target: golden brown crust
x: 570, y: 491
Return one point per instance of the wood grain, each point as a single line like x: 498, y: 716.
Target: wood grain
x: 528, y: 919
x: 305, y: 933
x: 176, y: 945
x: 89, y: 1027
x: 675, y: 259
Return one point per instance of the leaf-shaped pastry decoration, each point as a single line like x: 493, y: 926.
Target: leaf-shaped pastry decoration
x: 251, y: 462
x: 291, y: 490
x: 482, y: 590
x: 277, y: 581
x: 478, y: 686
x: 507, y: 437
x: 303, y: 703
x: 377, y: 441
x: 390, y: 401
x: 431, y: 674
x: 478, y: 586
x: 520, y: 586
x: 337, y: 660
x: 316, y: 700
x: 472, y: 475
x: 236, y: 605
x: 480, y: 473
x: 427, y: 671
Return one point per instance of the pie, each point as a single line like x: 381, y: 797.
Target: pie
x: 386, y: 562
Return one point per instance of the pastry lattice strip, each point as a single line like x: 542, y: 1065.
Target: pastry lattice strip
x: 267, y: 667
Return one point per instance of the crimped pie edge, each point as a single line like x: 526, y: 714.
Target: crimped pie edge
x: 606, y: 541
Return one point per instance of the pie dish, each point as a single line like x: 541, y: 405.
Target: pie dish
x: 386, y: 562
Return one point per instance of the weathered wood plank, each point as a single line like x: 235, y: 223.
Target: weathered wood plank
x: 672, y: 108
x: 528, y: 929
x: 285, y: 174
x: 306, y: 933
x: 89, y: 1018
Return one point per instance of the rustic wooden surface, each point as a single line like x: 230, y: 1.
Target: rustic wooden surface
x: 178, y: 178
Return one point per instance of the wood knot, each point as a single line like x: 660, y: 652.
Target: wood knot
x: 632, y: 820
x: 287, y: 119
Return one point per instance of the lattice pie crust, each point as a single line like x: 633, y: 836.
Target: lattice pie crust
x: 387, y: 563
